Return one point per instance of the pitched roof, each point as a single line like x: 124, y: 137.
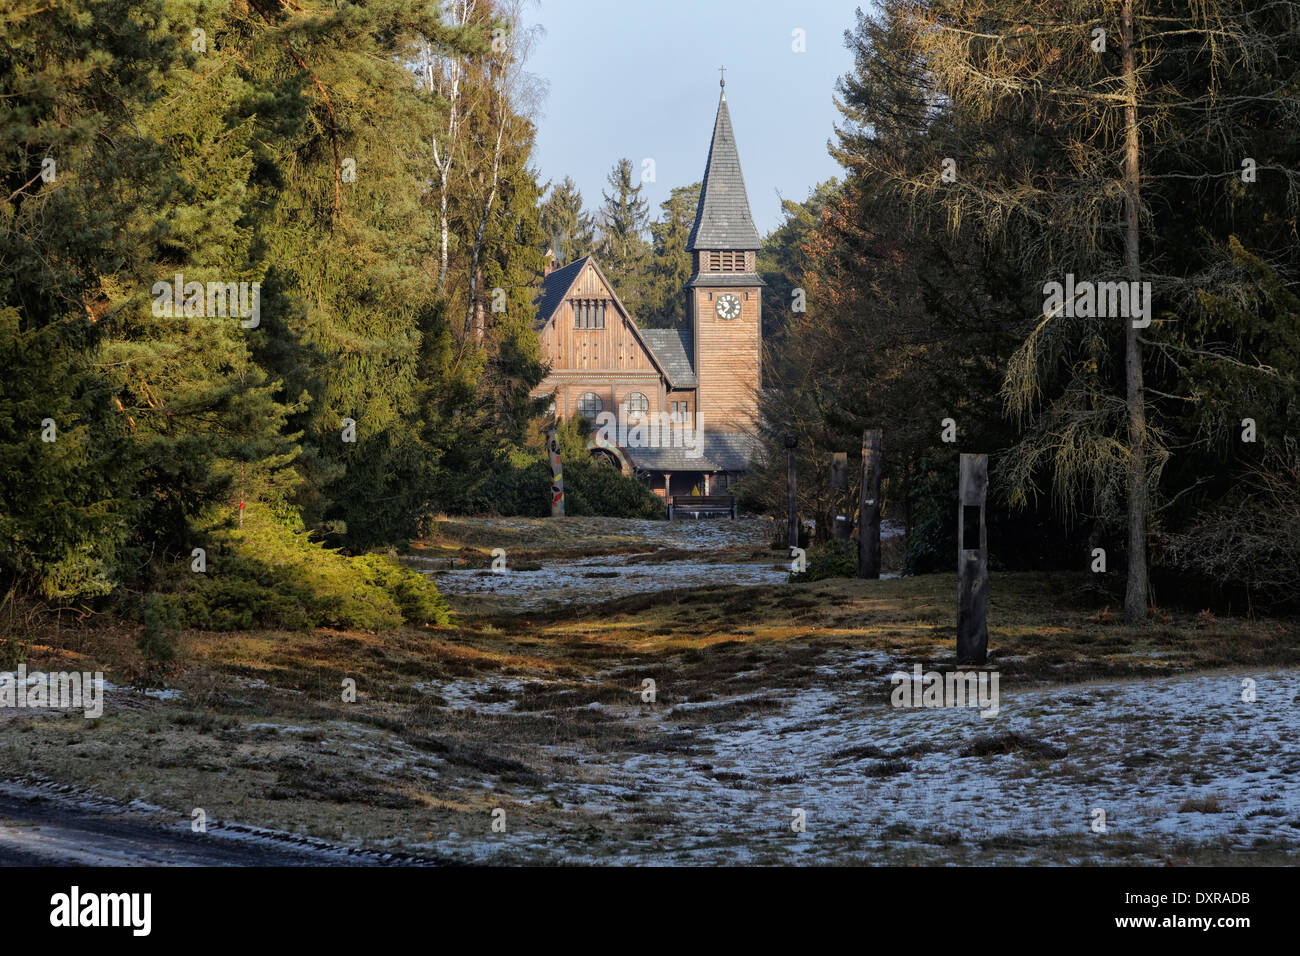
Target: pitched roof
x: 672, y: 349
x: 670, y: 353
x: 554, y: 288
x: 734, y: 279
x: 722, y: 219
x: 721, y: 451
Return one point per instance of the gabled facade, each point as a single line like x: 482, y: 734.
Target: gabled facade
x: 703, y: 378
x: 600, y: 359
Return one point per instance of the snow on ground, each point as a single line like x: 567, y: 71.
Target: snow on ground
x: 562, y: 582
x: 582, y: 533
x: 1170, y: 760
x: 491, y: 695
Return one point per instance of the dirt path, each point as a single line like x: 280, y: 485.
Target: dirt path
x: 40, y: 826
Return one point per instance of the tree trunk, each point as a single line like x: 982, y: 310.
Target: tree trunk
x: 792, y: 500
x: 476, y: 251
x: 442, y: 159
x: 869, y: 507
x: 1135, y: 593
x: 444, y: 230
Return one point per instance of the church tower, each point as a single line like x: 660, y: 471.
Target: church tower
x: 723, y: 296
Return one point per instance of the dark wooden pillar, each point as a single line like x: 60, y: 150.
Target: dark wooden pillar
x: 557, y: 474
x: 791, y: 487
x: 972, y: 561
x: 839, y: 485
x: 869, y: 507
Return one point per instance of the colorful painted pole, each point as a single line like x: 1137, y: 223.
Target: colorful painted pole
x: 557, y: 474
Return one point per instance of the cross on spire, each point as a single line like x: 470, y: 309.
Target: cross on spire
x: 723, y: 81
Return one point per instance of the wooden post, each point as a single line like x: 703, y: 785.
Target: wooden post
x: 972, y: 562
x: 557, y: 474
x: 792, y: 510
x: 839, y: 484
x: 869, y: 507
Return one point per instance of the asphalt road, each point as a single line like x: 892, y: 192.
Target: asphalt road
x: 44, y: 828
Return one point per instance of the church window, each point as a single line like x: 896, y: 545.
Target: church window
x: 588, y: 314
x: 637, y: 404
x: 590, y: 405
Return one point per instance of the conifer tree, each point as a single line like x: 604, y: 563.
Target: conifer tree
x: 1098, y: 87
x: 566, y: 227
x: 670, y: 263
x: 71, y: 179
x: 624, y: 251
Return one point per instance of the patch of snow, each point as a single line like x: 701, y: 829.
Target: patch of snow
x: 1146, y: 752
x: 570, y: 581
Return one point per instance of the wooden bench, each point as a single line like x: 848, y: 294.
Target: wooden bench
x: 701, y: 504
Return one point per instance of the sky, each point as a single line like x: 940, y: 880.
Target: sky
x: 639, y: 78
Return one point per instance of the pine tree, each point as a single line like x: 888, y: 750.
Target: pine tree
x: 286, y: 148
x: 204, y: 416
x: 73, y: 178
x: 566, y: 228
x: 784, y: 260
x: 343, y: 129
x: 624, y: 251
x: 1106, y: 85
x: 670, y: 263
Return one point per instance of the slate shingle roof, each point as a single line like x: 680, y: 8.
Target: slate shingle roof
x: 722, y: 219
x: 554, y: 288
x: 737, y: 279
x: 722, y: 451
x: 672, y: 349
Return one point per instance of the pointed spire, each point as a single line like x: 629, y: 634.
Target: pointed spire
x: 722, y: 219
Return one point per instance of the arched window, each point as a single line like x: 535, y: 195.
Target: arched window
x: 590, y: 405
x: 637, y: 405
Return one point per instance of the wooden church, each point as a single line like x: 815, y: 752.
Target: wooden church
x: 701, y: 380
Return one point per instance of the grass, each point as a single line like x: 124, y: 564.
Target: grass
x: 403, y: 766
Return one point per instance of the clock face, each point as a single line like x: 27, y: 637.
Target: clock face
x: 728, y: 306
